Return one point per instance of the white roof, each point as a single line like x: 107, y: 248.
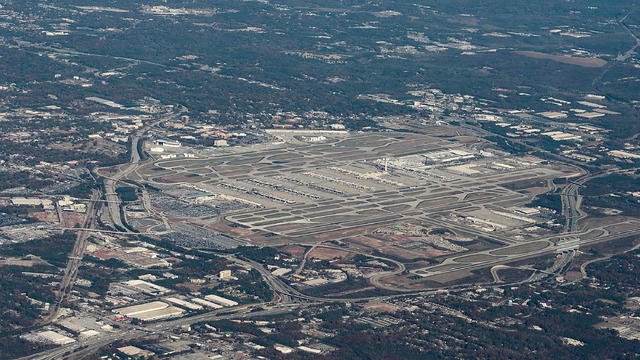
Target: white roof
x: 141, y: 308
x: 54, y: 337
x: 220, y: 300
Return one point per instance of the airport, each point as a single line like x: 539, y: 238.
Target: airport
x: 343, y: 189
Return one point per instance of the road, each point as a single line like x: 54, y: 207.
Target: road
x: 572, y: 198
x: 75, y: 258
x: 622, y: 57
x: 304, y: 259
x: 91, y: 345
x: 283, y: 292
x: 550, y: 249
x: 629, y: 53
x: 287, y: 299
x: 113, y: 202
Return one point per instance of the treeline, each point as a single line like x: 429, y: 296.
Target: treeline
x: 33, y: 154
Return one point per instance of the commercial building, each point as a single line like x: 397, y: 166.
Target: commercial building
x: 168, y: 143
x: 135, y: 351
x: 46, y: 203
x: 53, y: 337
x: 220, y: 300
x: 561, y: 136
x: 224, y: 275
x: 623, y: 154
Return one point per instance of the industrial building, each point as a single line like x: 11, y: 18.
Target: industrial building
x: 53, y: 337
x: 154, y: 310
x: 183, y: 303
x: 220, y: 300
x: 147, y: 287
x: 206, y: 303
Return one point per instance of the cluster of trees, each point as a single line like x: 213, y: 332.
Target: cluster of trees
x: 507, y: 145
x: 13, y: 346
x: 53, y: 249
x: 285, y: 332
x: 260, y: 254
x: 100, y: 275
x: 549, y: 201
x: 452, y: 337
x: 621, y: 271
x: 598, y: 192
x: 33, y: 154
x: 18, y: 311
x: 200, y: 267
x: 127, y: 193
x: 626, y: 203
x: 613, y: 183
x: 253, y: 284
x: 12, y: 179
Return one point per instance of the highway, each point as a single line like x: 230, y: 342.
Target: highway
x: 553, y: 248
x: 283, y: 292
x: 80, y: 349
x: 286, y: 298
x: 110, y: 183
x: 75, y: 258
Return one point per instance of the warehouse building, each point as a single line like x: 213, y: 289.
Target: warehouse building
x: 154, y: 310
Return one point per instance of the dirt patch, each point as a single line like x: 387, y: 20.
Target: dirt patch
x: 621, y: 228
x: 573, y: 275
x: 477, y: 195
x: 72, y: 219
x: 172, y: 179
x: 46, y: 216
x: 411, y: 254
x: 345, y: 232
x: 520, y: 249
x: 381, y: 307
x: 296, y: 251
x: 590, y: 62
x: 241, y: 231
x: 384, y: 247
x: 368, y: 242
x: 475, y: 258
x: 327, y: 254
x: 434, y: 202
